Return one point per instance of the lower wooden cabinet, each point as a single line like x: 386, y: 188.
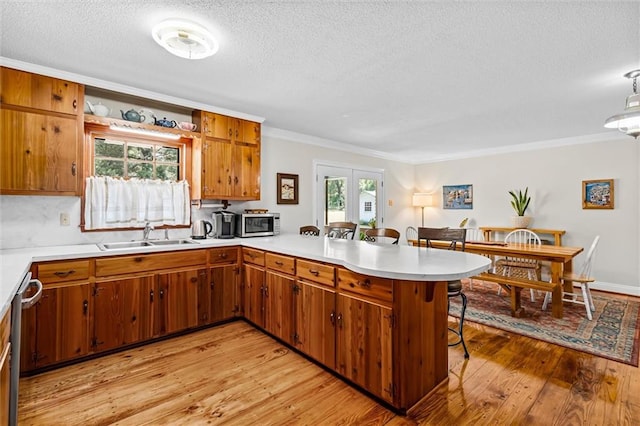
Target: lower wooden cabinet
x: 176, y: 306
x: 56, y: 329
x: 364, y: 345
x: 123, y: 311
x: 5, y: 367
x: 315, y: 314
x: 254, y: 288
x: 278, y: 305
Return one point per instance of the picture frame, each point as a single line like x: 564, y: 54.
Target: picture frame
x: 287, y: 185
x: 457, y: 197
x: 598, y: 194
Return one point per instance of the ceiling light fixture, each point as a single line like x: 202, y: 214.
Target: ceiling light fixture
x: 144, y: 132
x: 628, y: 121
x: 185, y: 39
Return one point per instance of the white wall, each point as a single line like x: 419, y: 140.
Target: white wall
x: 554, y: 177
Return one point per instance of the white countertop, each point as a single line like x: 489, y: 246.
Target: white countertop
x: 380, y: 260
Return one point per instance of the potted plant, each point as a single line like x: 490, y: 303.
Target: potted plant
x: 520, y: 202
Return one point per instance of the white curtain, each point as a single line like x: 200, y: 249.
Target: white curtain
x: 118, y: 203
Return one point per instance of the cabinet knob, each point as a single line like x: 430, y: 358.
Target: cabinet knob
x: 74, y: 168
x: 85, y: 307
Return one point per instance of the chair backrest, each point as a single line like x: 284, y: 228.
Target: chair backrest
x: 344, y: 230
x: 381, y: 234
x: 410, y: 234
x: 309, y: 230
x: 585, y: 269
x: 454, y: 236
x: 475, y: 234
x: 523, y: 236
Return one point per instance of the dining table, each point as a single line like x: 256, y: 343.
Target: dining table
x: 559, y: 257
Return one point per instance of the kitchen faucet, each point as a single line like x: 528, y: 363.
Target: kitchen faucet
x: 148, y: 227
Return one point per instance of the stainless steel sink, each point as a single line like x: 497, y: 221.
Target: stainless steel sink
x: 122, y: 245
x: 135, y: 244
x: 170, y: 242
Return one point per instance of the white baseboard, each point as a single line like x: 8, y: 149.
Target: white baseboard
x: 615, y: 288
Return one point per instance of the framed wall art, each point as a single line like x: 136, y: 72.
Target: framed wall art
x: 457, y: 197
x: 597, y: 194
x: 287, y: 188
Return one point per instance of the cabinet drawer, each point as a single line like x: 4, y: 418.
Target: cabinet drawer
x: 254, y: 256
x: 149, y: 262
x: 285, y: 264
x: 378, y: 288
x: 63, y: 271
x: 317, y: 272
x: 223, y: 255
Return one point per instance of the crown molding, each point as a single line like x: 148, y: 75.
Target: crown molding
x: 121, y: 88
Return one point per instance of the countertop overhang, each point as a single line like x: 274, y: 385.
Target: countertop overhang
x: 381, y: 260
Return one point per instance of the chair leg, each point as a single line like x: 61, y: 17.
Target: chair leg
x: 587, y: 302
x: 459, y: 331
x: 547, y: 298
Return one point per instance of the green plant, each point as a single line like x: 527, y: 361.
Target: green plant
x: 520, y: 201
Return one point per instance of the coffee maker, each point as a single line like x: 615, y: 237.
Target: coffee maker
x: 223, y: 224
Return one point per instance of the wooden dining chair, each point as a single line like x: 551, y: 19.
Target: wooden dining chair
x: 411, y: 234
x: 519, y: 266
x: 382, y: 235
x: 456, y: 237
x: 309, y: 230
x: 582, y: 280
x: 343, y: 230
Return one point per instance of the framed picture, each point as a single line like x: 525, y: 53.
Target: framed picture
x: 287, y: 188
x: 597, y: 194
x: 457, y: 197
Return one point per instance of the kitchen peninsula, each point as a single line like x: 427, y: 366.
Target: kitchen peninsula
x: 382, y: 309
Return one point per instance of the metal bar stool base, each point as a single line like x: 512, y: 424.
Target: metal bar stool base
x: 459, y: 331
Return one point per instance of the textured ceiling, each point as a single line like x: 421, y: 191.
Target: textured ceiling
x: 417, y: 81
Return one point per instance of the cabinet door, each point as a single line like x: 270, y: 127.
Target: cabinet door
x: 62, y: 324
x: 123, y: 312
x: 177, y: 300
x: 39, y: 92
x: 224, y: 282
x: 216, y: 168
x: 315, y: 322
x: 5, y: 382
x: 278, y: 306
x: 364, y: 339
x: 246, y: 171
x: 217, y: 126
x: 247, y: 131
x: 254, y: 284
x: 38, y: 153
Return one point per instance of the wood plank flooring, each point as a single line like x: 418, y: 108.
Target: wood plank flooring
x: 234, y: 374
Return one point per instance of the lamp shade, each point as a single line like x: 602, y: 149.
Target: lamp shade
x: 422, y: 200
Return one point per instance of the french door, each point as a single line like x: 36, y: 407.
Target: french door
x: 349, y: 195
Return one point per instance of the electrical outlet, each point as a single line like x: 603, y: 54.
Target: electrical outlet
x: 390, y: 203
x: 64, y: 219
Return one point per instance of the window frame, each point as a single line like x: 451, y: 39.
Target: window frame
x: 93, y: 131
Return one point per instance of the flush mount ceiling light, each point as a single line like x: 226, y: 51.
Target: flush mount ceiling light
x: 628, y: 121
x: 185, y: 39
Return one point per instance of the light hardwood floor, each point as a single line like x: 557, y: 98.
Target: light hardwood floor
x: 235, y: 374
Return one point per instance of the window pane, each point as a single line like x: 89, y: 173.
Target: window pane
x: 165, y: 154
x: 336, y: 199
x: 165, y: 172
x: 368, y: 202
x: 109, y: 148
x: 113, y: 168
x: 140, y: 152
x: 140, y: 170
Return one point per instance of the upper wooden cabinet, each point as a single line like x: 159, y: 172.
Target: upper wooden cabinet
x: 35, y: 91
x: 40, y: 139
x: 229, y: 158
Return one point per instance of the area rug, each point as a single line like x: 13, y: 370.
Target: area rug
x: 613, y: 333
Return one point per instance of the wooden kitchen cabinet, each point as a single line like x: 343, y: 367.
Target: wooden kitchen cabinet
x: 315, y: 322
x: 40, y: 148
x: 123, y: 311
x: 254, y: 279
x: 5, y: 366
x: 230, y: 163
x: 176, y: 308
x: 364, y: 345
x: 278, y: 305
x: 222, y: 298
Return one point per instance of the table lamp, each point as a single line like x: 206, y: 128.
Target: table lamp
x: 422, y: 200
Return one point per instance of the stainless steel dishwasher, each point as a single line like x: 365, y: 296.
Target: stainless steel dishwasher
x: 21, y: 301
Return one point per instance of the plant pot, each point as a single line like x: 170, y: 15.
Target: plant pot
x: 520, y: 221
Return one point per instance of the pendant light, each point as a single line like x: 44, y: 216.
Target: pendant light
x: 628, y: 121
